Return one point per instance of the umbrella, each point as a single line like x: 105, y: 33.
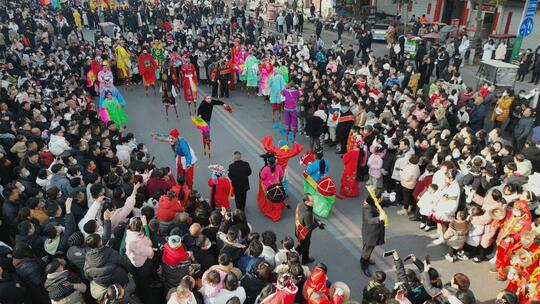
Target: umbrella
x: 431, y: 36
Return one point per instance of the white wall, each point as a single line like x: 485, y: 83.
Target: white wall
x: 531, y: 41
x: 419, y: 7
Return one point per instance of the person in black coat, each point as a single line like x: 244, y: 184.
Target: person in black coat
x: 254, y: 282
x: 372, y: 231
x: 239, y: 172
x: 31, y: 271
x: 345, y: 123
x: 318, y: 28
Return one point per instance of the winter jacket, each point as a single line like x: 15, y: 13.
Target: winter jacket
x: 456, y: 234
x: 9, y: 292
x: 58, y: 145
x: 532, y: 154
x: 409, y: 175
x: 224, y: 295
x: 120, y: 214
x: 167, y: 208
x: 70, y: 227
x: 523, y: 127
x: 491, y: 226
x: 253, y: 286
x: 375, y: 164
x: 248, y: 264
x: 371, y: 292
x: 58, y: 286
x: 61, y: 182
x: 503, y: 104
x: 476, y: 230
x: 402, y: 159
x: 174, y: 256
x: 75, y: 256
x: 105, y: 266
x: 173, y: 274
x: 138, y: 248
x: 31, y: 272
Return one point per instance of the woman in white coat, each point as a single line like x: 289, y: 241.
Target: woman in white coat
x: 489, y: 47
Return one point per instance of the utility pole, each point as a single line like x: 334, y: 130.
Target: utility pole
x: 477, y: 39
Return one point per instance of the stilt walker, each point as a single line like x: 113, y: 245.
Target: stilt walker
x: 290, y: 117
x: 168, y: 95
x: 123, y: 63
x: 184, y: 155
x: 148, y: 69
x: 189, y: 81
x: 202, y: 120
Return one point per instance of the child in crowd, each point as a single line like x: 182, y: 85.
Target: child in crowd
x: 425, y: 207
x: 456, y: 235
x: 476, y: 231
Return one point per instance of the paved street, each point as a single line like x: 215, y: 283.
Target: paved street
x: 340, y: 244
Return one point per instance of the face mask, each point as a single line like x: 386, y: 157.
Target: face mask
x: 208, y: 247
x: 455, y: 155
x: 65, y: 170
x: 517, y: 213
x: 145, y: 150
x: 26, y: 174
x: 22, y: 188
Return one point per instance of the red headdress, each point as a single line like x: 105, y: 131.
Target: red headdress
x: 174, y: 133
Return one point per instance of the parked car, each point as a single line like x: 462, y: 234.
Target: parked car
x: 378, y: 31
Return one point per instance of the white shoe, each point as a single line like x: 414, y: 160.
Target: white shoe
x: 449, y: 258
x: 434, y: 236
x: 492, y: 260
x: 427, y: 228
x: 392, y: 197
x: 438, y: 241
x: 422, y: 225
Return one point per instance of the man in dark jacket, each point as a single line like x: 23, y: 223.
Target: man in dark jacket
x: 372, y: 231
x: 532, y: 153
x: 340, y: 29
x: 318, y: 28
x: 10, y: 206
x: 304, y: 225
x: 477, y: 114
x: 523, y: 129
x: 61, y: 286
x: 239, y: 172
x: 103, y: 265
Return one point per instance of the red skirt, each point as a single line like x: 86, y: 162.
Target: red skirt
x: 349, y: 185
x: 268, y: 208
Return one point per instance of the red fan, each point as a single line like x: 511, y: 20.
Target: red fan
x: 227, y: 108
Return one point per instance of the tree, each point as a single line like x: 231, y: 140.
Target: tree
x: 477, y: 39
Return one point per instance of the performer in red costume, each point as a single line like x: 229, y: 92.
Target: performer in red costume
x: 516, y: 222
x: 315, y: 290
x: 282, y: 154
x: 221, y: 189
x: 148, y: 69
x: 190, y: 82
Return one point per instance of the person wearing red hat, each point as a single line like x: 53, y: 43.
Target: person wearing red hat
x: 185, y: 157
x: 148, y: 69
x: 517, y: 221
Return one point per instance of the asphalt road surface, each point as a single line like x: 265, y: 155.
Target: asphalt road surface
x: 340, y: 244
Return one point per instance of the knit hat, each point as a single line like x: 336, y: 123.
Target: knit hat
x: 76, y: 239
x: 175, y: 241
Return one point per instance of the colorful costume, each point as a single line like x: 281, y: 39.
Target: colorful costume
x: 185, y: 157
x: 123, y: 63
x: 92, y: 74
x: 158, y: 53
x: 275, y: 86
x: 508, y: 240
x: 105, y: 77
x: 148, y: 69
x: 111, y: 110
x: 266, y: 70
x: 290, y: 118
x: 241, y: 64
x: 316, y: 292
x: 284, y: 72
x: 252, y: 71
x: 349, y: 184
x: 268, y: 178
x: 282, y: 153
x: 114, y: 92
x: 175, y: 62
x: 189, y: 80
x: 221, y: 189
x: 322, y: 188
